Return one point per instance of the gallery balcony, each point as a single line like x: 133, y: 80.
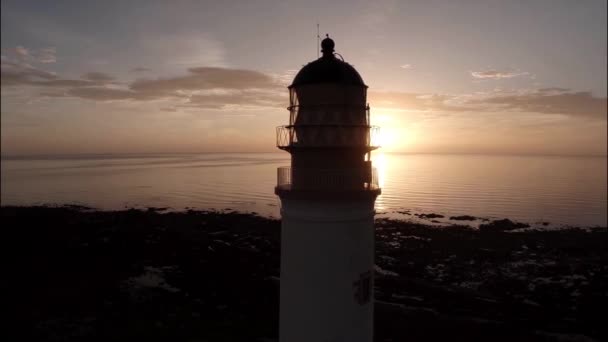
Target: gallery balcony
x: 329, y: 181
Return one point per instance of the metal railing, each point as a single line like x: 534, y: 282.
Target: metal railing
x: 289, y: 178
x: 328, y: 136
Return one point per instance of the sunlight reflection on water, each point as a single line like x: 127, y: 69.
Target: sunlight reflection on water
x: 562, y: 190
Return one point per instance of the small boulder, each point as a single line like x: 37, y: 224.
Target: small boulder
x: 502, y: 225
x: 463, y: 218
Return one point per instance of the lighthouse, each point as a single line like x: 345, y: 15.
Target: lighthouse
x: 327, y: 205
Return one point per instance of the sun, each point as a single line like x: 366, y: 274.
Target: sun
x: 389, y: 136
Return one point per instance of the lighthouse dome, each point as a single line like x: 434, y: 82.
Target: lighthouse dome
x: 328, y: 69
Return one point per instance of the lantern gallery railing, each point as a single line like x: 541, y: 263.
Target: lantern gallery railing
x: 327, y: 179
x: 328, y: 136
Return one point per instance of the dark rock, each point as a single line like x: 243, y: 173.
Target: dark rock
x: 157, y: 208
x: 463, y: 218
x: 503, y: 225
x: 77, y: 207
x: 429, y: 216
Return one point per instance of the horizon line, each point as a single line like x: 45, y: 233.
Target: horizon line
x: 132, y: 154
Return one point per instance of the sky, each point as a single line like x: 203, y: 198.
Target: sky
x: 491, y: 77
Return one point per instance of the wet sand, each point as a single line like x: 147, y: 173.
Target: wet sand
x: 78, y: 274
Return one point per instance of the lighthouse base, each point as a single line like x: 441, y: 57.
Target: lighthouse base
x: 327, y: 260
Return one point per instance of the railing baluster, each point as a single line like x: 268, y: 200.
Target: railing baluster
x: 329, y: 178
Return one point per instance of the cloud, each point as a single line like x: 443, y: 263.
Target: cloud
x: 553, y: 89
x: 95, y: 76
x: 497, y: 74
x: 565, y: 102
x: 21, y: 52
x: 205, y: 78
x: 59, y: 83
x: 285, y: 78
x: 406, y: 66
x: 202, y: 87
x: 239, y: 98
x: 101, y: 94
x: 140, y: 69
x: 224, y: 88
x: 543, y: 101
x: 47, y: 55
x: 18, y: 73
x: 15, y: 74
x: 414, y: 101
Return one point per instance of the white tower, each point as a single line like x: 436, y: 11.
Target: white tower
x: 327, y: 206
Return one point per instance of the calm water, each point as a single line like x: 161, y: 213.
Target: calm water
x: 561, y: 190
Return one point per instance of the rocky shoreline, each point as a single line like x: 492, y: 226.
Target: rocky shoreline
x: 79, y: 274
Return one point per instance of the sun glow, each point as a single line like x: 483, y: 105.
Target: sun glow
x: 390, y: 136
x: 379, y: 161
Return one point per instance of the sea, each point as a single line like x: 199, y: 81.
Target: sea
x: 546, y: 191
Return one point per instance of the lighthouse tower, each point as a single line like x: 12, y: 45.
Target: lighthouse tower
x: 327, y: 205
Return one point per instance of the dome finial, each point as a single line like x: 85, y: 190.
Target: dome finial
x: 327, y: 47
